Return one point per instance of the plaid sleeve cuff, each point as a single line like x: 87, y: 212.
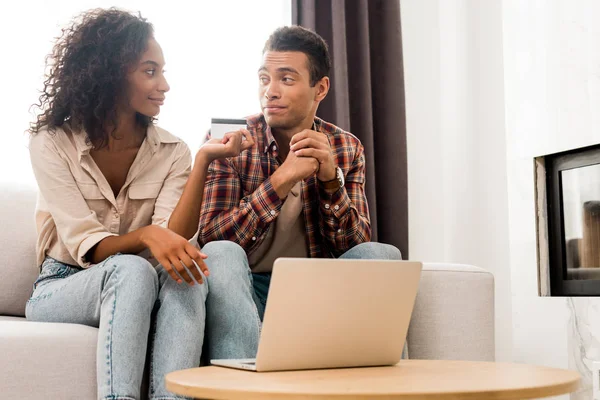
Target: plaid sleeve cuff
x: 266, y: 203
x: 335, y: 204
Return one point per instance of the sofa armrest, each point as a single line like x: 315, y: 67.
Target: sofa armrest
x: 453, y: 318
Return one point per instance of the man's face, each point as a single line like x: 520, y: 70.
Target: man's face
x: 286, y: 97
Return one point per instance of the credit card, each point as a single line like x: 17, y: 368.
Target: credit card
x: 219, y: 126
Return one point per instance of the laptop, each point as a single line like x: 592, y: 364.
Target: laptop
x: 332, y: 313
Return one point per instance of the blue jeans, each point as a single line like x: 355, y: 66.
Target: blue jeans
x: 236, y: 302
x: 119, y: 296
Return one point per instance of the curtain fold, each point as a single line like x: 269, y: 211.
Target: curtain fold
x: 367, y: 98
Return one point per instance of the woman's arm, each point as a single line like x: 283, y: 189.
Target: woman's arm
x: 171, y: 250
x: 185, y: 218
x: 84, y: 237
x: 129, y: 243
x: 170, y: 246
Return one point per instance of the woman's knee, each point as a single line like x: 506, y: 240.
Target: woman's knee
x: 134, y: 274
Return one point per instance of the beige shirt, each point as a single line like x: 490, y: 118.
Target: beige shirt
x: 76, y: 206
x: 286, y: 237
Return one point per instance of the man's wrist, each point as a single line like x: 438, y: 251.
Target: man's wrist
x: 282, y: 182
x: 328, y: 174
x: 333, y: 185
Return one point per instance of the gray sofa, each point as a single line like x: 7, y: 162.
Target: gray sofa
x: 453, y: 317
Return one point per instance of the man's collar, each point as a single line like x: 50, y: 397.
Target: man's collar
x: 270, y: 139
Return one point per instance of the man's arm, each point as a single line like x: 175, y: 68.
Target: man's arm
x: 226, y: 215
x: 344, y: 215
x: 184, y: 196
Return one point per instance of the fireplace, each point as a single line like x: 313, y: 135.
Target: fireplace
x: 568, y: 222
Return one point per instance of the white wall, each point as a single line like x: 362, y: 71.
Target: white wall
x: 489, y: 86
x: 458, y: 209
x: 552, y: 85
x: 212, y: 50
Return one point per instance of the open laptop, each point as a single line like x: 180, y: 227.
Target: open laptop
x: 328, y: 313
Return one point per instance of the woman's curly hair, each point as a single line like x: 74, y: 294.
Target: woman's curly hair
x: 87, y: 70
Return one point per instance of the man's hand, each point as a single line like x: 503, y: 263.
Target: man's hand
x: 309, y: 143
x: 173, y: 252
x: 231, y: 145
x: 293, y: 170
x: 299, y: 168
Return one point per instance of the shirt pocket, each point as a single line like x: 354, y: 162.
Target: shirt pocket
x: 142, y: 198
x: 90, y: 191
x: 94, y: 198
x: 144, y: 191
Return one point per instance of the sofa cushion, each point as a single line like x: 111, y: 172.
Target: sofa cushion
x: 18, y: 268
x: 453, y: 318
x: 46, y: 360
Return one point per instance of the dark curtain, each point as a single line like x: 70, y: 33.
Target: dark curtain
x: 367, y: 98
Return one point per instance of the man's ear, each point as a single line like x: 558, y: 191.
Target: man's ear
x: 322, y: 88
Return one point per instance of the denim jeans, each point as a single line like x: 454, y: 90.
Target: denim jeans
x: 123, y: 296
x: 237, y: 298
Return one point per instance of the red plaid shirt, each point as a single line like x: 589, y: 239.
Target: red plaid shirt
x: 240, y: 202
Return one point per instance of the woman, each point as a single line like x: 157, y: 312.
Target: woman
x: 112, y: 185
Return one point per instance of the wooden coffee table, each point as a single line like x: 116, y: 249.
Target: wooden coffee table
x: 410, y: 379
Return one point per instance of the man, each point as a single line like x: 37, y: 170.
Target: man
x: 298, y: 192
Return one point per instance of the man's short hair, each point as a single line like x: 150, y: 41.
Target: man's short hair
x: 297, y: 38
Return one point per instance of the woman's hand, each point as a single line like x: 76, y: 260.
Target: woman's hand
x: 231, y: 145
x: 175, y: 253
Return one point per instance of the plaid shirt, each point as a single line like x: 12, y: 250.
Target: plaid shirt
x: 240, y: 202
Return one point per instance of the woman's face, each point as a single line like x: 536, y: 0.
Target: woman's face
x: 146, y: 82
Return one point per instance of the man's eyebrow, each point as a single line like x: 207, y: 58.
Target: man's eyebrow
x: 281, y: 69
x: 288, y: 69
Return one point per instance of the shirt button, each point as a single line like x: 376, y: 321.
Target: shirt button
x: 336, y: 207
x: 339, y: 231
x: 273, y: 212
x: 254, y: 238
x: 274, y: 148
x: 327, y: 206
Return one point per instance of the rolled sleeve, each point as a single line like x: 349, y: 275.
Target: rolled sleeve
x: 77, y: 226
x: 87, y: 244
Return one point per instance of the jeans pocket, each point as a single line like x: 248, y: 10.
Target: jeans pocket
x: 52, y: 269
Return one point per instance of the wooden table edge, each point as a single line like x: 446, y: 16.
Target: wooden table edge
x: 506, y: 394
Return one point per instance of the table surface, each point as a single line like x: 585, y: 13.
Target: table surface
x: 409, y: 379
